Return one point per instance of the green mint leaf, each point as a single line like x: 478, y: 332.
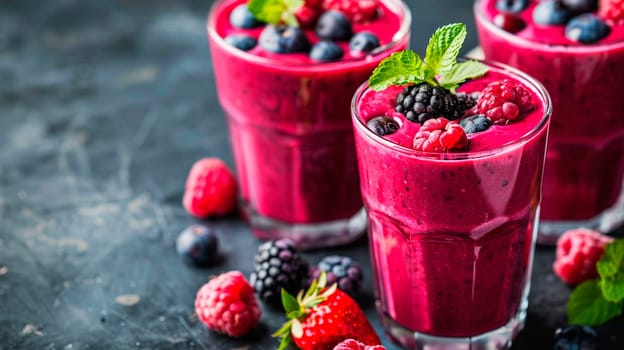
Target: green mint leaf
x: 611, y: 270
x: 587, y: 306
x: 443, y: 49
x: 275, y: 11
x: 400, y: 68
x: 289, y: 302
x: 462, y: 72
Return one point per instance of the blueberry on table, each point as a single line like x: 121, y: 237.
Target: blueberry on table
x: 475, y: 123
x: 363, y: 42
x: 284, y: 39
x: 333, y: 25
x: 383, y: 125
x: 586, y: 28
x: 326, y: 51
x: 581, y: 6
x: 509, y: 22
x: 511, y: 6
x: 198, y: 245
x: 551, y: 12
x: 575, y: 337
x: 241, y: 17
x: 241, y: 41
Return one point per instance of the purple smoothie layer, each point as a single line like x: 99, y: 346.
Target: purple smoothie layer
x: 289, y: 120
x: 451, y: 239
x: 585, y: 158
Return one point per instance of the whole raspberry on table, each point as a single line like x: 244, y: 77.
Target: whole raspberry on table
x: 503, y: 101
x: 578, y: 251
x: 210, y: 189
x: 440, y: 135
x: 227, y: 304
x: 342, y: 270
x: 357, y: 11
x: 612, y: 11
x: 352, y: 344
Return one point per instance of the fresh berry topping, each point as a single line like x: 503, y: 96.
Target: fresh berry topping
x: 241, y: 41
x: 578, y: 251
x: 284, y: 39
x: 475, y: 123
x: 383, y: 125
x: 612, y: 11
x: 241, y: 17
x: 341, y: 270
x: 210, y: 189
x: 278, y: 266
x: 551, y: 12
x: 422, y: 102
x: 576, y: 337
x: 197, y: 244
x: 511, y: 6
x: 466, y: 101
x: 357, y: 11
x: 440, y: 135
x: 586, y: 28
x: 333, y: 25
x: 326, y: 50
x: 503, y: 101
x: 306, y: 16
x: 322, y: 318
x: 362, y: 43
x: 352, y: 344
x: 509, y: 22
x: 227, y: 304
x: 581, y: 6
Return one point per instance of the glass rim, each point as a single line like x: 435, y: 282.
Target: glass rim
x: 401, y: 34
x: 480, y: 17
x: 461, y: 156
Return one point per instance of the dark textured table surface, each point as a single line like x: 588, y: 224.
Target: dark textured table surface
x: 104, y: 106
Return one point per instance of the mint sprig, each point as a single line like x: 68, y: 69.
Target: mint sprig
x: 275, y: 11
x: 597, y: 301
x: 439, y: 68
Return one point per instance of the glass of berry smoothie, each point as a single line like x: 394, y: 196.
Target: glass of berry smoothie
x: 576, y: 49
x: 285, y: 81
x: 452, y: 193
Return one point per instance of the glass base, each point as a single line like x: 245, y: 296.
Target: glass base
x: 500, y: 338
x: 308, y: 236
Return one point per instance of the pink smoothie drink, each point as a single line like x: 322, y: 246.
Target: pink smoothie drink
x: 585, y: 159
x: 291, y: 135
x: 452, y: 234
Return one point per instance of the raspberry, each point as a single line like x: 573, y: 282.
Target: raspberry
x: 227, y: 304
x: 422, y: 102
x: 341, y: 270
x: 357, y: 11
x: 278, y: 266
x: 503, y: 101
x: 440, y: 135
x: 578, y: 251
x: 612, y: 11
x: 210, y: 189
x: 307, y: 16
x: 352, y: 344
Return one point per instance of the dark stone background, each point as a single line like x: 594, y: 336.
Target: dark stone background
x: 104, y: 106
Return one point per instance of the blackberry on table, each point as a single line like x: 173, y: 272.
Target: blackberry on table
x: 342, y: 270
x: 278, y: 265
x: 423, y: 101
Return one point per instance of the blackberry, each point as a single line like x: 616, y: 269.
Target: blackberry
x: 422, y: 102
x: 342, y: 270
x: 278, y: 265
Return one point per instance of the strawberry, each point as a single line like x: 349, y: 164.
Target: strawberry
x: 612, y: 11
x: 322, y: 318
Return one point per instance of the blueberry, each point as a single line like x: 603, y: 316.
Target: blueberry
x: 551, y: 12
x: 383, y: 125
x: 586, y: 28
x: 241, y: 41
x: 326, y: 51
x: 363, y: 42
x: 284, y: 39
x: 333, y: 25
x: 197, y: 245
x: 509, y: 22
x: 241, y: 17
x: 512, y: 6
x: 475, y: 123
x: 581, y: 6
x: 575, y: 337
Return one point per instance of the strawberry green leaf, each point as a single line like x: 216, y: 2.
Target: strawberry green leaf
x: 286, y: 342
x: 462, y: 72
x: 275, y: 11
x: 400, y: 68
x: 587, y: 306
x: 289, y: 302
x: 611, y: 270
x: 443, y: 49
x: 284, y: 329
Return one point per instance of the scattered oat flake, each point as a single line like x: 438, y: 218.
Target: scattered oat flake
x: 31, y: 329
x: 127, y: 299
x: 3, y: 270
